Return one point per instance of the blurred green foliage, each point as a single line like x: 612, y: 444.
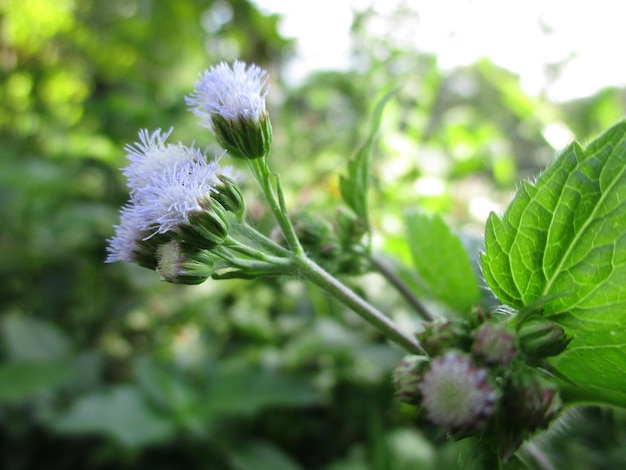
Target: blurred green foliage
x: 105, y: 367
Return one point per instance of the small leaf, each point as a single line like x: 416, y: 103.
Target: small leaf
x: 120, y: 412
x: 563, y: 239
x: 354, y: 186
x: 441, y: 261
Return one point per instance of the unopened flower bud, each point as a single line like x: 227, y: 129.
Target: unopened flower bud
x: 407, y: 376
x: 494, y: 345
x: 229, y: 195
x: 206, y: 228
x: 477, y: 315
x: 543, y: 338
x: 442, y: 335
x: 457, y: 395
x: 181, y: 264
x: 351, y: 227
x: 531, y: 401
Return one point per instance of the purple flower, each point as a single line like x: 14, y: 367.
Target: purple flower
x: 124, y: 245
x: 455, y: 394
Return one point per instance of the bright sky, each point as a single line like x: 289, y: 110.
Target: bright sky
x: 523, y: 36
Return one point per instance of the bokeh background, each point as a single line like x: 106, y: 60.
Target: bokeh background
x: 105, y: 367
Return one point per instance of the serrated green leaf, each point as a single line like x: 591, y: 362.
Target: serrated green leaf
x: 441, y: 261
x: 353, y: 187
x: 565, y: 236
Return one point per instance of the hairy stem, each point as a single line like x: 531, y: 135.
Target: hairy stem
x: 365, y: 310
x: 274, y: 197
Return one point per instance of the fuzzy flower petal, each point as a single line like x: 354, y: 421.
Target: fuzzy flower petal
x: 457, y: 395
x: 151, y: 155
x: 174, y: 192
x: 233, y: 94
x: 124, y: 245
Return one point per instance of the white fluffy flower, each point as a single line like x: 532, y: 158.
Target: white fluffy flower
x: 233, y: 94
x: 175, y: 191
x: 167, y: 182
x: 124, y: 245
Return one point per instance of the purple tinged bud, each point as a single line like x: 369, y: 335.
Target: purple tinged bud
x: 407, y: 376
x: 494, y: 345
x: 441, y: 335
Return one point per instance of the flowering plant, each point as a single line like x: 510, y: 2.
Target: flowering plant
x: 493, y: 373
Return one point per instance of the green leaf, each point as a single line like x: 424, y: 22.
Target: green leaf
x: 120, y: 412
x: 32, y: 339
x: 441, y: 261
x: 239, y: 388
x: 563, y: 239
x: 353, y: 187
x: 260, y: 456
x: 21, y: 380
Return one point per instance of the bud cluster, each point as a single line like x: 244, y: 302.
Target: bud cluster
x: 484, y: 377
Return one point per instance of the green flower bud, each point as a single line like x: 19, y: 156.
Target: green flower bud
x: 531, y: 401
x: 243, y: 137
x: 181, y: 264
x: 407, y: 376
x: 351, y: 227
x: 442, y: 335
x: 478, y: 315
x: 494, y: 345
x: 229, y: 196
x: 542, y: 338
x: 206, y: 228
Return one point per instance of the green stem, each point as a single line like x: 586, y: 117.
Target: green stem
x: 276, y: 202
x: 259, y: 239
x: 368, y: 312
x: 401, y: 287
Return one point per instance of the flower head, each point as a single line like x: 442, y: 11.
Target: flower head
x: 152, y: 155
x: 173, y: 193
x: 130, y: 242
x: 231, y: 103
x: 230, y: 93
x: 456, y: 394
x: 170, y: 186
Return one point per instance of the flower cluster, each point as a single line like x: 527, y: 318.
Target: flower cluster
x: 179, y: 196
x: 480, y: 374
x: 167, y: 183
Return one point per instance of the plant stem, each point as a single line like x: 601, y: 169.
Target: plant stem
x: 401, y: 287
x: 276, y: 202
x: 368, y: 312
